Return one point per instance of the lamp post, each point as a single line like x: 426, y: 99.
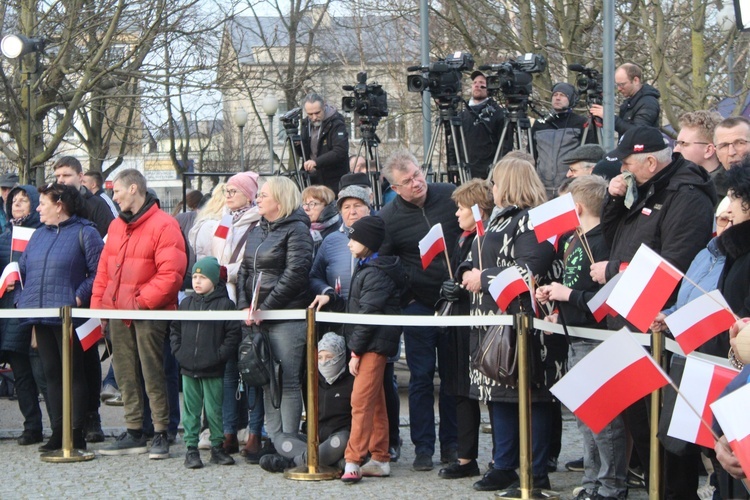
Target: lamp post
x: 240, y: 118
x: 727, y: 23
x: 270, y: 105
x: 15, y: 47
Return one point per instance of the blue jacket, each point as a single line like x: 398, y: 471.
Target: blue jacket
x: 333, y: 260
x: 59, y: 264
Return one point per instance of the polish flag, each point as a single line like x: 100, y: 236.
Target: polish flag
x: 731, y: 412
x: 506, y: 286
x: 598, y: 303
x: 10, y: 275
x: 478, y: 219
x: 222, y: 230
x: 90, y: 333
x: 610, y: 378
x: 431, y: 245
x: 554, y: 218
x: 702, y: 384
x: 21, y: 237
x: 644, y: 288
x: 700, y: 320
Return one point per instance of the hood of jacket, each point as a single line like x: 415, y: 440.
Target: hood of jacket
x: 33, y: 219
x: 648, y: 90
x: 390, y: 265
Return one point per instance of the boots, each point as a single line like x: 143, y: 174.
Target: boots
x: 231, y: 445
x: 79, y: 439
x: 252, y: 446
x: 54, y: 443
x: 93, y: 429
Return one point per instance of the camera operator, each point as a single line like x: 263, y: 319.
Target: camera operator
x: 556, y: 135
x: 641, y: 104
x: 482, y: 122
x: 325, y: 141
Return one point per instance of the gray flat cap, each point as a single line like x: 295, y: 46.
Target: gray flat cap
x: 588, y: 152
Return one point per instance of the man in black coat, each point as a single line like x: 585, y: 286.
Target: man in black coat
x: 325, y: 142
x: 641, y: 104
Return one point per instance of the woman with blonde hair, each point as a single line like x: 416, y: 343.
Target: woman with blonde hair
x: 201, y: 235
x: 510, y: 241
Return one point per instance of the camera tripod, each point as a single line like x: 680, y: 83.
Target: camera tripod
x: 457, y: 171
x: 591, y: 125
x: 369, y: 143
x: 518, y: 125
x: 293, y: 169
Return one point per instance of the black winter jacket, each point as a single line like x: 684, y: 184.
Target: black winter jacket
x: 333, y: 149
x: 98, y: 211
x: 406, y: 224
x: 283, y: 251
x: 673, y: 216
x: 334, y: 404
x: 203, y: 347
x: 375, y: 289
x: 641, y: 109
x: 734, y: 282
x: 482, y: 127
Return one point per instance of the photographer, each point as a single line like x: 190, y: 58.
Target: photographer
x: 482, y: 121
x: 325, y: 142
x: 641, y: 106
x: 556, y: 135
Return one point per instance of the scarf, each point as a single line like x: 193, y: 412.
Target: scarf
x: 237, y: 214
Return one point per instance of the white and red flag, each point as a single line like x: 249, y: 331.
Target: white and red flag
x: 644, y: 288
x: 90, y: 333
x: 10, y: 275
x: 610, y: 378
x: 731, y: 412
x: 702, y: 383
x: 431, y: 245
x: 222, y: 230
x: 598, y: 303
x: 700, y: 320
x: 506, y: 286
x: 478, y: 219
x: 21, y: 237
x: 554, y: 218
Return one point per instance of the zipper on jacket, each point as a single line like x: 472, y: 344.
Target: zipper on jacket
x: 46, y: 256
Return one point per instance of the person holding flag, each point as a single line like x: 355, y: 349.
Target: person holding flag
x: 58, y: 269
x: 510, y: 243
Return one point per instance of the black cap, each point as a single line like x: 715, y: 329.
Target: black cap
x: 638, y: 140
x: 591, y: 153
x: 370, y: 231
x: 477, y: 73
x: 8, y: 180
x: 360, y: 179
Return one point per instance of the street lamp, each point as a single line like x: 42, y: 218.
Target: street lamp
x: 15, y: 47
x: 240, y: 118
x: 270, y: 105
x: 726, y: 21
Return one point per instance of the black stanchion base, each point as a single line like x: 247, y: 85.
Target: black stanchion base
x: 319, y: 473
x: 518, y: 494
x: 67, y: 456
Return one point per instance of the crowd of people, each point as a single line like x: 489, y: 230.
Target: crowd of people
x: 266, y: 244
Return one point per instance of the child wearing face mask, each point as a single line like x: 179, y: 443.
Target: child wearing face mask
x: 334, y: 412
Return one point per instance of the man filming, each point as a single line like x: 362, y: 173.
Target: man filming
x: 641, y: 104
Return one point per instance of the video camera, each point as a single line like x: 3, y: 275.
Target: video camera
x: 513, y: 78
x: 290, y: 120
x: 443, y: 78
x: 370, y: 102
x: 589, y: 82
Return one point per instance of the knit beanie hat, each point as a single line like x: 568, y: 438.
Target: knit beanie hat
x: 247, y: 183
x: 208, y: 267
x: 569, y: 91
x: 370, y: 231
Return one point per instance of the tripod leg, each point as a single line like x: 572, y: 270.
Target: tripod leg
x: 502, y: 141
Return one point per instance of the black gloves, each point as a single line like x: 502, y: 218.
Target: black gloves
x: 450, y: 291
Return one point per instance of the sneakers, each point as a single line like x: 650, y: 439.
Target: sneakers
x: 458, y: 471
x: 275, y: 463
x: 373, y: 468
x: 575, y: 465
x: 496, y: 479
x: 219, y: 456
x: 242, y: 435
x: 395, y: 451
x: 30, y: 437
x: 422, y: 463
x: 193, y: 458
x: 159, y: 447
x: 93, y: 428
x: 126, y: 444
x: 636, y: 478
x: 109, y: 392
x: 115, y: 401
x: 351, y: 474
x: 204, y: 440
x: 585, y: 495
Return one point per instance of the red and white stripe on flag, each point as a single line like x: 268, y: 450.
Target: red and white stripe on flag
x: 90, y: 333
x: 222, y: 230
x: 644, y: 288
x: 506, y: 286
x: 598, y: 303
x: 731, y: 412
x: 431, y: 245
x: 478, y: 219
x: 11, y: 274
x: 21, y: 236
x: 610, y: 378
x: 700, y: 320
x: 554, y: 218
x: 702, y: 383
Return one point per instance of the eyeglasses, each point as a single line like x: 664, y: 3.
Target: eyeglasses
x: 574, y: 170
x: 722, y: 221
x: 230, y: 192
x: 685, y: 144
x: 620, y: 85
x: 409, y: 181
x: 737, y: 144
x: 310, y: 205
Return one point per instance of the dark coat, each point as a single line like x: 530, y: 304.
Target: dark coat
x: 333, y: 149
x: 203, y: 347
x: 482, y: 127
x: 406, y: 224
x: 734, y: 282
x: 375, y: 289
x: 673, y: 216
x: 56, y: 270
x: 328, y: 223
x: 335, y: 404
x: 283, y: 251
x: 98, y: 211
x: 641, y: 109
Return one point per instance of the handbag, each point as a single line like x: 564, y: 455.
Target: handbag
x: 496, y: 356
x: 256, y: 363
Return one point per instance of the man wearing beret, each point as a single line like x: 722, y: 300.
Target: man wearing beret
x: 582, y: 160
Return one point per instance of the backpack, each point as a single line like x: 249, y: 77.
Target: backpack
x: 256, y: 363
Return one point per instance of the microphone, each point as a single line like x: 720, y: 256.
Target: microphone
x: 485, y: 67
x: 577, y: 67
x: 349, y: 88
x: 414, y: 68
